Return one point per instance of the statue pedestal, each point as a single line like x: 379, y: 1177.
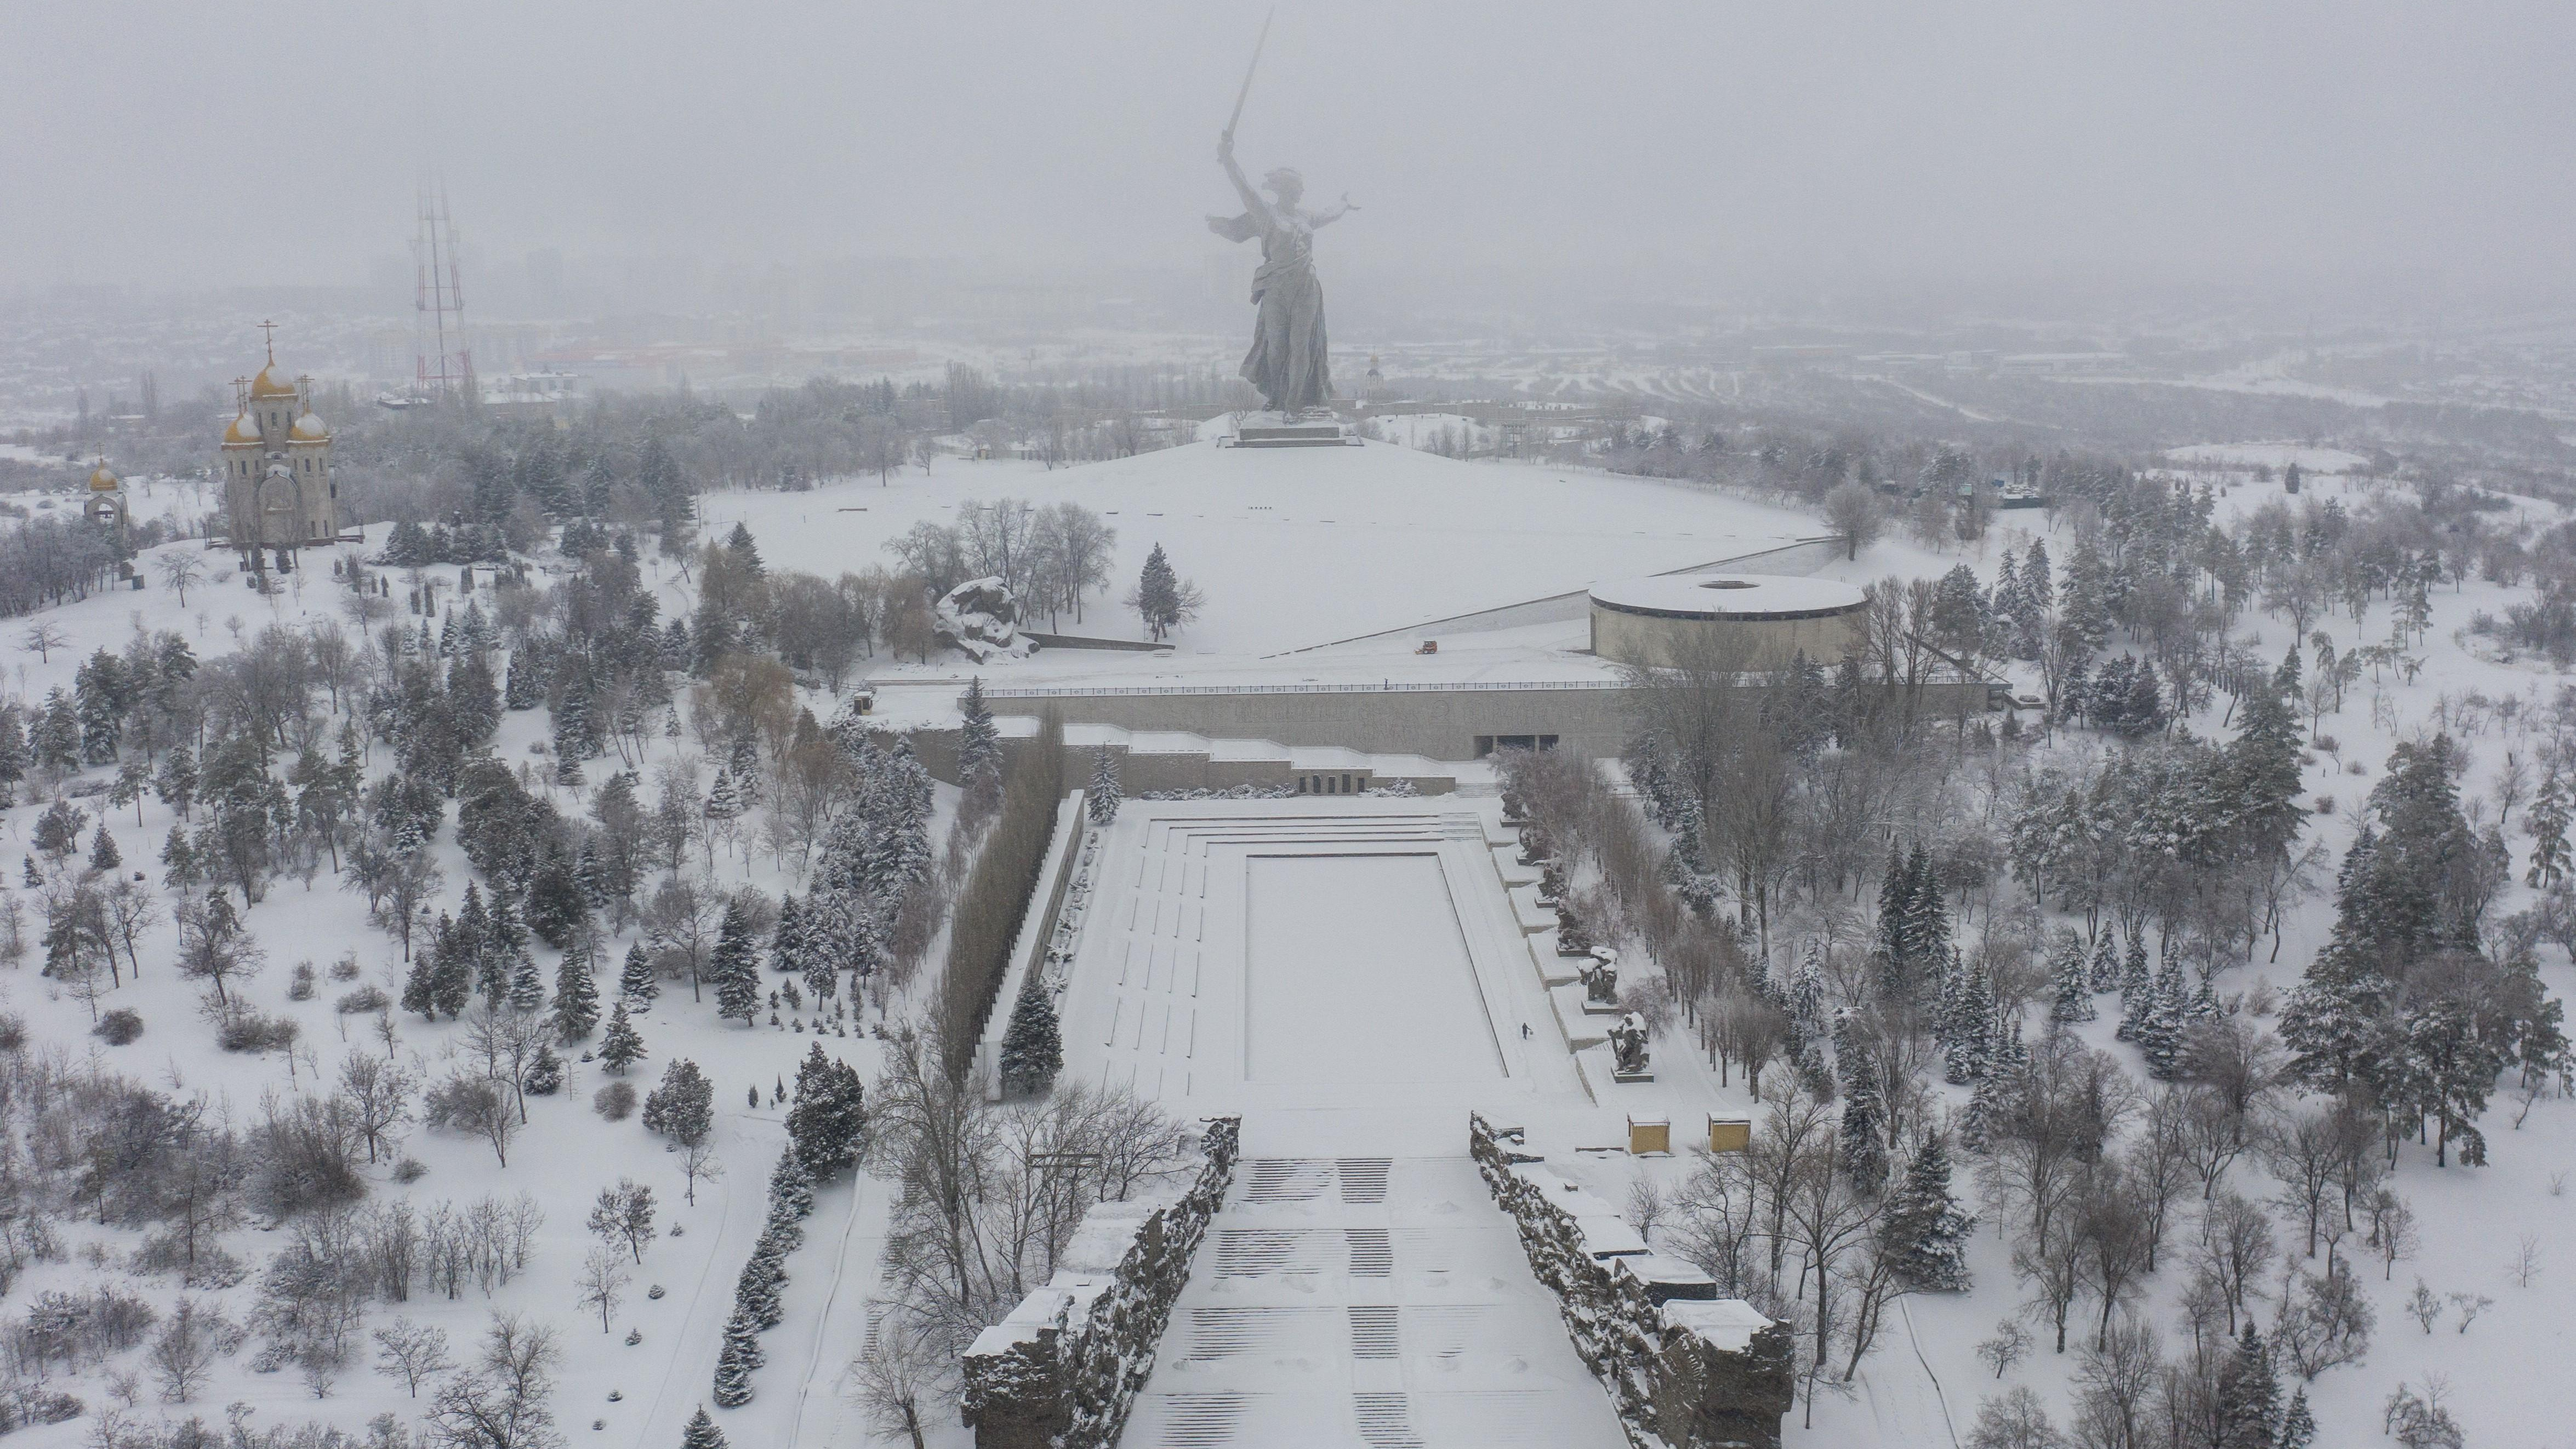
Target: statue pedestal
x: 1273, y: 430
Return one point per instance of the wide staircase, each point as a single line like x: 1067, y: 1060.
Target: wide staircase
x: 1376, y: 1302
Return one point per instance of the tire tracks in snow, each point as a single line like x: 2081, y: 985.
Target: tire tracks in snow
x: 663, y: 1424
x: 861, y: 1198
x: 1916, y: 1344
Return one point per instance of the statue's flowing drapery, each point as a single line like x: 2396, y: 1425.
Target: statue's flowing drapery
x: 1287, y: 363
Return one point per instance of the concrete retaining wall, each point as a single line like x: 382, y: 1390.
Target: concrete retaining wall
x: 1435, y: 722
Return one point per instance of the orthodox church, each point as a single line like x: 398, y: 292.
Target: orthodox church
x: 279, y: 495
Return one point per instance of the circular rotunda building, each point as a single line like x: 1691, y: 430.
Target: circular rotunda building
x: 1744, y: 621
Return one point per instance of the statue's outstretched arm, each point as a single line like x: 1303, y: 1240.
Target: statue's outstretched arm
x: 1252, y: 201
x: 1334, y: 214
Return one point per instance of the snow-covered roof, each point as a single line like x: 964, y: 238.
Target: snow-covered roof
x: 1729, y: 596
x: 1607, y: 1235
x: 1726, y: 1323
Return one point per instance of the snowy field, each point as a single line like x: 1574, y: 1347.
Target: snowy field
x: 2275, y: 456
x: 1304, y: 546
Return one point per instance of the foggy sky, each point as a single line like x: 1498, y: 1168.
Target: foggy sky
x: 1707, y: 147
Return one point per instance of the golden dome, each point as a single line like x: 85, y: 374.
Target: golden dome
x: 270, y: 384
x: 103, y: 481
x: 243, y: 433
x: 309, y: 429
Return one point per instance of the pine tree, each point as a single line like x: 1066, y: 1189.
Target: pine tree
x: 636, y: 980
x: 2161, y: 1035
x: 1032, y: 1045
x: 545, y: 1074
x: 1926, y: 1225
x: 724, y: 802
x: 527, y: 988
x: 757, y: 1292
x: 176, y: 781
x: 102, y: 850
x: 790, y: 943
x: 2248, y: 1395
x: 828, y: 1122
x: 556, y: 907
x: 683, y: 1108
x: 735, y: 1361
x: 735, y: 967
x: 2086, y: 598
x: 1807, y: 989
x: 451, y: 977
x: 14, y: 758
x: 791, y: 1196
x: 519, y: 687
x: 979, y: 740
x: 473, y: 942
x: 418, y: 992
x: 622, y: 1045
x: 1157, y: 599
x: 1927, y: 917
x: 2298, y: 1425
x: 2547, y: 824
x: 178, y: 861
x: 701, y: 1432
x: 1970, y: 1057
x: 2105, y: 975
x: 55, y: 740
x: 2134, y: 975
x: 576, y: 998
x: 1864, y: 1128
x: 2073, y: 984
x: 1895, y: 896
x: 1105, y: 795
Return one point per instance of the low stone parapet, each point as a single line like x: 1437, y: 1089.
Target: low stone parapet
x: 1683, y: 1370
x: 1063, y: 1369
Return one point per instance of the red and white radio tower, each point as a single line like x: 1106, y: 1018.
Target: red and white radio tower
x: 443, y: 364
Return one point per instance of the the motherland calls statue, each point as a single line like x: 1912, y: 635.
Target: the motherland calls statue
x: 1287, y: 362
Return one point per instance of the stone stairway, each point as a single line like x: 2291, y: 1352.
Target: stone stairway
x: 1373, y: 1302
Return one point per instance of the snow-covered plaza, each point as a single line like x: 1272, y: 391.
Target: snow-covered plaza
x: 1288, y: 959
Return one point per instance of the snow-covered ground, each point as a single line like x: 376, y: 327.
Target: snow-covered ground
x: 1293, y: 548
x: 565, y: 1156
x: 2275, y: 456
x: 1297, y: 547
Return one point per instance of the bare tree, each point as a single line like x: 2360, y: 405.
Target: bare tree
x: 698, y: 1163
x: 602, y: 1282
x: 476, y: 1105
x: 2302, y: 1150
x: 2235, y: 1249
x: 184, y: 1354
x: 44, y: 637
x: 902, y: 1377
x: 411, y: 1352
x: 501, y: 1403
x: 379, y: 1095
x: 179, y: 570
